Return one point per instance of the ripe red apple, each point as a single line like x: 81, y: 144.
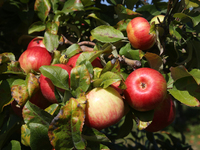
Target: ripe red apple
x: 47, y: 86
x: 39, y: 100
x: 104, y: 108
x: 146, y: 89
x: 33, y: 58
x: 164, y: 115
x: 72, y: 61
x: 38, y: 41
x: 138, y: 32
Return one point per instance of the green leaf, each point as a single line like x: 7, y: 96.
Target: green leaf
x: 174, y: 31
x: 154, y: 60
x: 36, y: 27
x: 179, y: 72
x: 33, y: 114
x: 5, y: 92
x: 72, y: 50
x: 129, y: 53
x: 187, y: 94
x: 13, y: 145
x: 51, y: 41
x: 122, y: 24
x: 39, y: 137
x: 196, y: 75
x: 25, y: 135
x: 57, y: 75
x: 6, y: 57
x: 107, y: 34
x: 92, y: 15
x: 72, y: 5
x: 52, y: 27
x: 79, y: 80
x: 42, y: 7
x: 66, y: 128
x: 190, y: 4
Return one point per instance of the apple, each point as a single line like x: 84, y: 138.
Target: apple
x: 104, y: 107
x: 39, y: 100
x: 116, y: 85
x: 164, y: 115
x: 138, y: 32
x: 33, y: 58
x: 72, y: 61
x: 47, y: 86
x: 155, y: 19
x: 146, y: 89
x: 38, y: 41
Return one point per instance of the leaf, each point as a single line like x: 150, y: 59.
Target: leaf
x: 154, y: 60
x: 179, y: 72
x: 5, y: 92
x: 57, y: 75
x: 91, y: 134
x: 92, y: 15
x: 66, y: 128
x: 6, y: 57
x: 13, y: 145
x: 122, y: 24
x: 25, y: 135
x: 33, y: 114
x: 113, y: 67
x: 196, y: 75
x: 186, y: 90
x: 38, y: 133
x: 42, y: 7
x: 80, y: 80
x: 190, y: 4
x: 51, y: 41
x: 72, y: 50
x: 71, y: 6
x: 36, y: 27
x: 107, y: 34
x: 52, y: 27
x: 129, y: 53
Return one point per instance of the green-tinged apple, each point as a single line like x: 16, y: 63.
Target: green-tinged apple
x: 37, y: 41
x: 72, y: 61
x: 164, y: 115
x: 161, y: 19
x: 138, y: 32
x: 105, y: 107
x: 146, y: 89
x: 39, y: 100
x: 33, y: 58
x: 47, y: 87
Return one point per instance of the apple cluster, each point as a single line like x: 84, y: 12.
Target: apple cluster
x: 146, y: 88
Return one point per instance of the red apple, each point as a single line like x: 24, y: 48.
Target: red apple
x: 164, y: 115
x: 146, y: 89
x: 38, y: 41
x: 72, y: 61
x: 33, y: 58
x: 47, y: 86
x: 138, y: 32
x: 104, y: 108
x: 39, y: 100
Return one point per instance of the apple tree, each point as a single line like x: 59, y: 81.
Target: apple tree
x: 91, y: 103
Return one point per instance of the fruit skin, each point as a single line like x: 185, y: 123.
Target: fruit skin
x: 138, y: 33
x: 116, y: 85
x: 47, y: 86
x: 164, y: 115
x: 155, y: 19
x: 146, y: 89
x: 39, y: 100
x: 72, y: 61
x: 33, y: 58
x: 104, y: 108
x: 38, y: 41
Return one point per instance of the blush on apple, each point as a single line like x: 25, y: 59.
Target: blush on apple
x: 164, y: 115
x: 47, y: 86
x: 146, y: 89
x: 38, y: 41
x: 138, y: 32
x: 104, y: 108
x: 33, y: 58
x: 72, y: 61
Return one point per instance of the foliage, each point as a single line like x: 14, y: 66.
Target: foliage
x: 97, y: 30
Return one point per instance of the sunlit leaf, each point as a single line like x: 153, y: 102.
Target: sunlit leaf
x: 72, y: 5
x: 51, y: 41
x: 25, y: 135
x: 154, y: 60
x: 107, y: 34
x: 57, y: 75
x: 36, y: 27
x: 66, y: 128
